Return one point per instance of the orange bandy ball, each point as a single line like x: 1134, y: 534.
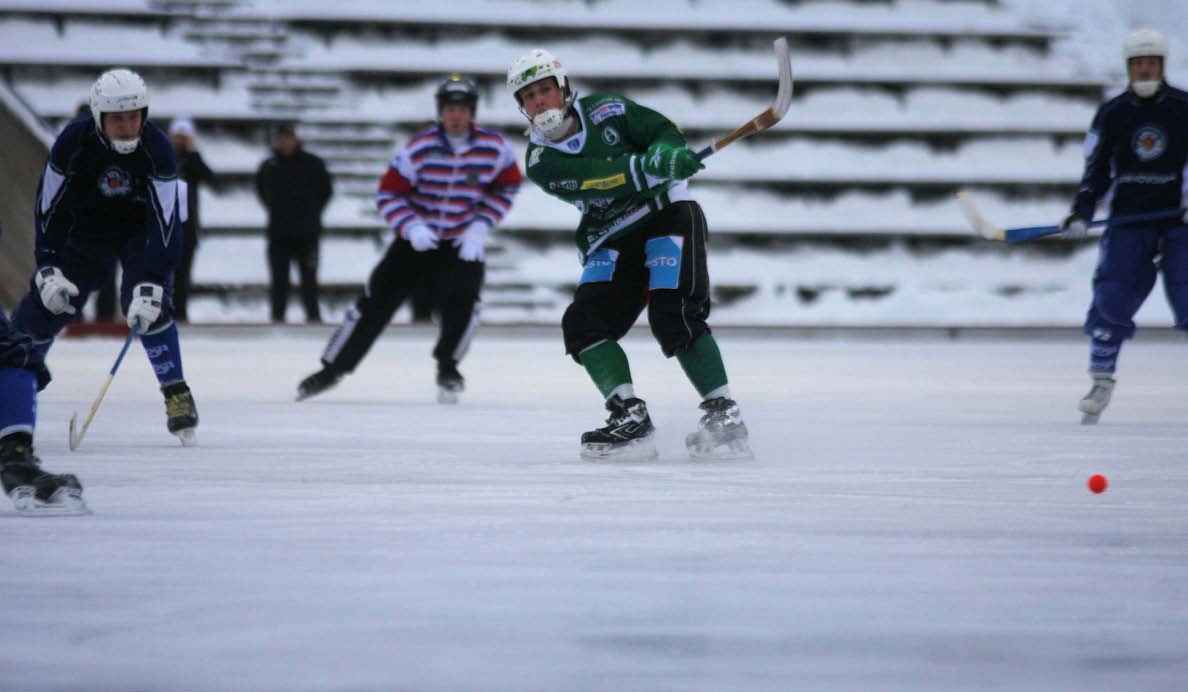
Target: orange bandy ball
x: 1098, y: 483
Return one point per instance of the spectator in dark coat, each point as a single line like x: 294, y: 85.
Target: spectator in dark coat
x: 294, y: 186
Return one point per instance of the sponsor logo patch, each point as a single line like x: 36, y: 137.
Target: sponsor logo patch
x: 1150, y: 141
x: 605, y: 183
x: 607, y: 111
x: 157, y: 351
x: 573, y: 144
x: 115, y: 182
x: 534, y: 157
x: 662, y: 257
x: 563, y: 184
x: 600, y: 266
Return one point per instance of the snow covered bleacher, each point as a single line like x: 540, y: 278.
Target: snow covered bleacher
x: 897, y: 105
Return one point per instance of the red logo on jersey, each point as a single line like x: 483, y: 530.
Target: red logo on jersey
x: 114, y: 182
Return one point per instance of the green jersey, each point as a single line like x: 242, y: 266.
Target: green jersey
x: 599, y: 169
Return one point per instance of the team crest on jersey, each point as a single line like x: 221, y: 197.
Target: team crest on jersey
x: 1150, y: 141
x: 115, y: 182
x: 610, y: 135
x: 534, y: 157
x: 606, y: 111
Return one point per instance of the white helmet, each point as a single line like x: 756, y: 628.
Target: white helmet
x: 534, y: 67
x: 1144, y: 43
x: 118, y: 91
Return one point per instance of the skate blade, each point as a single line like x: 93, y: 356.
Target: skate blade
x: 447, y: 396
x: 737, y: 450
x: 188, y: 437
x: 65, y: 502
x: 635, y: 450
x: 1090, y: 418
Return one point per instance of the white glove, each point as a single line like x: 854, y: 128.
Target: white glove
x: 1074, y: 228
x: 145, y: 307
x: 55, y: 290
x: 472, y: 244
x: 421, y: 236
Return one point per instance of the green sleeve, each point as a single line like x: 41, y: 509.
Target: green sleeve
x: 645, y: 127
x: 573, y: 178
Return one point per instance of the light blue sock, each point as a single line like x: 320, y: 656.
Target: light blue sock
x: 164, y: 354
x: 1103, y: 355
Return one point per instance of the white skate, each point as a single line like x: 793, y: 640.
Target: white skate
x: 721, y: 433
x: 1097, y: 399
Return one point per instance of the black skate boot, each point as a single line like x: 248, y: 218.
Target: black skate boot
x: 33, y: 491
x: 181, y: 413
x: 449, y: 383
x: 721, y: 434
x: 1097, y: 399
x: 627, y: 435
x: 318, y: 382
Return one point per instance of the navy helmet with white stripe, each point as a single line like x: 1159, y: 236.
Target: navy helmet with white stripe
x: 457, y: 89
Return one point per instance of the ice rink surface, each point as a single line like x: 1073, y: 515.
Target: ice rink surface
x: 916, y: 519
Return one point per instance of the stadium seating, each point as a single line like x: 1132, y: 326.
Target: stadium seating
x: 897, y: 105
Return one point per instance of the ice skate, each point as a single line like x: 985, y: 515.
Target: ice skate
x: 34, y: 491
x: 627, y: 435
x: 1097, y: 398
x: 318, y: 382
x: 181, y: 413
x: 449, y: 383
x: 721, y: 434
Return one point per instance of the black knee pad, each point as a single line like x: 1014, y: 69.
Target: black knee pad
x: 577, y: 333
x: 676, y: 320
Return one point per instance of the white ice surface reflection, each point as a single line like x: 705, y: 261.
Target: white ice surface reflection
x: 916, y: 519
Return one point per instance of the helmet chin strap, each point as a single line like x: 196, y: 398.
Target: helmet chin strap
x: 1145, y: 88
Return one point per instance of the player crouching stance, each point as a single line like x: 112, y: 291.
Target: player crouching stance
x: 32, y: 489
x: 642, y: 243
x: 109, y: 191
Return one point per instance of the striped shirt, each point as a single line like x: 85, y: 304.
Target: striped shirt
x: 447, y: 189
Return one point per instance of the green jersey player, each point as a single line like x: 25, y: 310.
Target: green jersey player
x: 642, y: 244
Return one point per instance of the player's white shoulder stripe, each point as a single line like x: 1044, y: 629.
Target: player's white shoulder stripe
x: 1091, y: 140
x: 51, y: 185
x: 167, y: 197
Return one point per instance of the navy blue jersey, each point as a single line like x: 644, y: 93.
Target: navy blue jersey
x: 90, y: 193
x: 1135, y: 154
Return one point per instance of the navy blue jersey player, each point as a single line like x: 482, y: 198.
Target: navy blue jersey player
x: 109, y: 192
x: 1135, y: 155
x: 22, y: 374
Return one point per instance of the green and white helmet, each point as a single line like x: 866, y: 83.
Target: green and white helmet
x: 536, y: 66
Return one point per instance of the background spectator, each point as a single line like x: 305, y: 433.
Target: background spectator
x: 294, y: 187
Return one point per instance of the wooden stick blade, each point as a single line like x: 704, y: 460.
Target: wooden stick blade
x: 772, y: 114
x: 978, y: 222
x: 783, y: 97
